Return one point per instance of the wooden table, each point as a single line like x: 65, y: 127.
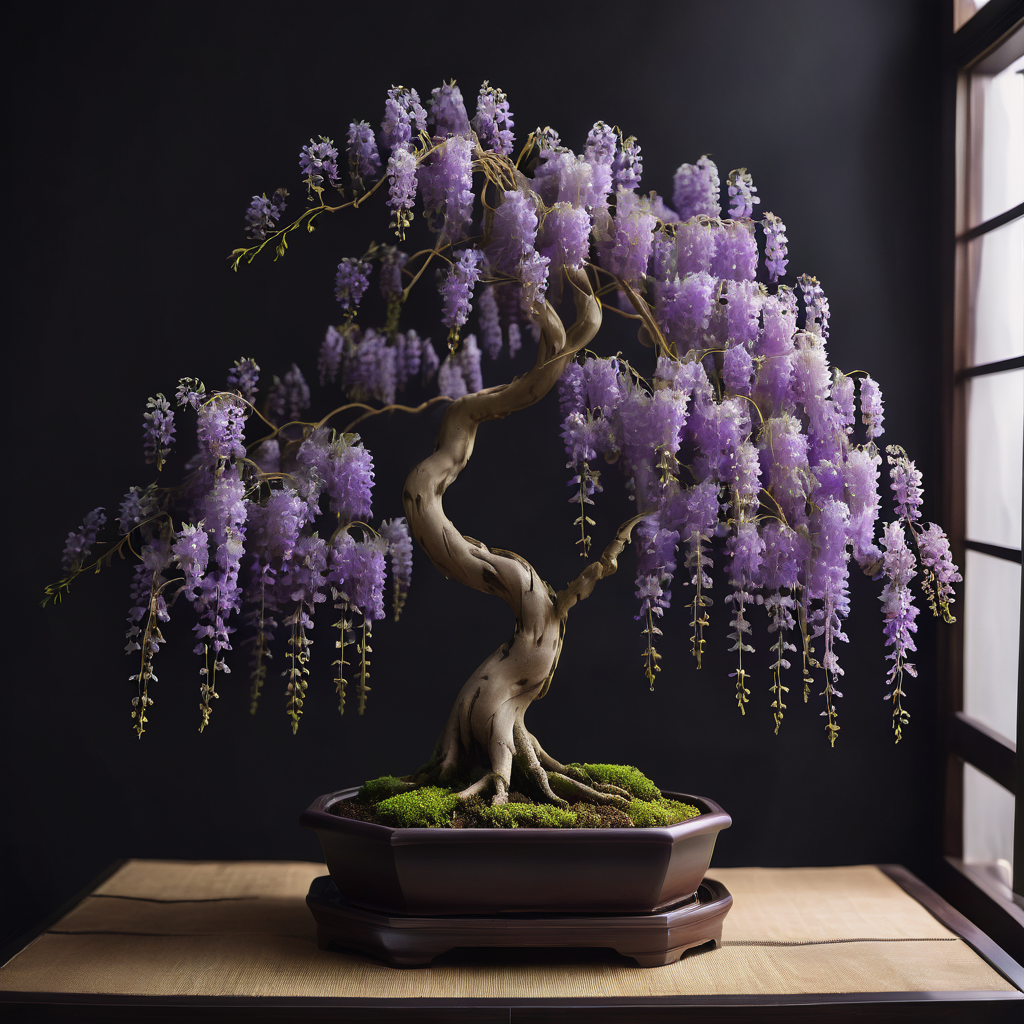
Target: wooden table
x: 235, y: 940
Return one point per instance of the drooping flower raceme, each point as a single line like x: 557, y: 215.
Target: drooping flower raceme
x: 493, y: 122
x: 363, y: 158
x: 487, y: 318
x: 696, y: 244
x: 331, y: 349
x: 357, y: 569
x: 941, y: 570
x: 191, y: 551
x: 633, y: 238
x: 533, y: 275
x: 460, y: 373
x: 457, y: 288
x: 871, y: 407
x: 351, y: 282
x: 220, y: 428
x: 392, y: 263
x: 157, y: 430
x: 243, y: 378
x: 79, y: 543
x: 815, y: 305
x: 448, y: 111
x: 684, y: 307
x: 741, y: 193
x: 402, y: 193
x: 565, y: 239
x: 219, y: 593
x: 263, y: 213
x: 288, y: 396
x: 395, y: 533
x: 861, y: 493
x: 446, y: 187
x: 735, y: 256
x: 319, y: 161
x: 513, y: 232
x: 138, y: 506
x: 696, y: 190
x: 906, y: 484
x: 900, y: 616
x: 403, y: 115
x: 775, y: 246
x: 349, y: 480
x: 628, y: 165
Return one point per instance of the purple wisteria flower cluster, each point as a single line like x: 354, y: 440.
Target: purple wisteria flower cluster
x: 751, y: 459
x: 258, y: 534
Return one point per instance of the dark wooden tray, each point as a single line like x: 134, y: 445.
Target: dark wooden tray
x: 652, y: 940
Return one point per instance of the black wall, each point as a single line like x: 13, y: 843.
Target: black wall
x: 137, y: 135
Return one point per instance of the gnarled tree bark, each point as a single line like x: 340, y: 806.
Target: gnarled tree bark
x: 485, y: 735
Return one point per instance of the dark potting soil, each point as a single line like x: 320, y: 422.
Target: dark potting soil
x: 465, y: 816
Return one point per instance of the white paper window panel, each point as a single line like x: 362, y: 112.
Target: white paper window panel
x: 991, y: 612
x: 1000, y: 110
x: 997, y: 292
x: 995, y: 449
x: 988, y: 820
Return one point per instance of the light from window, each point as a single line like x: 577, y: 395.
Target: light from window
x: 991, y: 613
x: 997, y: 294
x: 995, y: 448
x: 988, y: 823
x: 997, y: 126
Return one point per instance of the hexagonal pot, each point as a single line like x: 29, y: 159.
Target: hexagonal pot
x: 523, y: 870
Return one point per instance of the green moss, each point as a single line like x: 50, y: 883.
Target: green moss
x: 623, y: 775
x: 528, y: 816
x: 429, y: 807
x: 655, y: 814
x: 375, y: 790
x: 678, y: 811
x: 646, y: 814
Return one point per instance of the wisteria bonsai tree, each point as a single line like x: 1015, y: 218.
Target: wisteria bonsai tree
x: 738, y: 442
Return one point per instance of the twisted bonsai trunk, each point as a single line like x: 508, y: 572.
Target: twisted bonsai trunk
x: 485, y: 736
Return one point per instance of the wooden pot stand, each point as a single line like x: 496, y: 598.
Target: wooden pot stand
x: 652, y: 940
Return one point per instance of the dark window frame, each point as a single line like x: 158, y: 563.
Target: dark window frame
x: 998, y: 909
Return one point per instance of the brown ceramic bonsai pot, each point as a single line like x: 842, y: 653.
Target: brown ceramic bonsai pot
x: 525, y: 870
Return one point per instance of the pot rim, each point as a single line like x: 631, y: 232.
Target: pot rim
x: 713, y: 818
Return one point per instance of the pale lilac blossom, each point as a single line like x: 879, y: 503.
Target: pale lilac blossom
x: 157, y: 430
x: 363, y: 157
x: 288, y: 396
x: 871, y: 407
x: 493, y: 122
x: 243, y: 377
x: 741, y: 194
x: 319, y: 161
x: 329, y: 362
x: 351, y: 282
x: 696, y: 190
x: 263, y: 214
x: 79, y: 543
x: 775, y: 246
x: 448, y: 111
x: 402, y: 116
x: 457, y: 288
